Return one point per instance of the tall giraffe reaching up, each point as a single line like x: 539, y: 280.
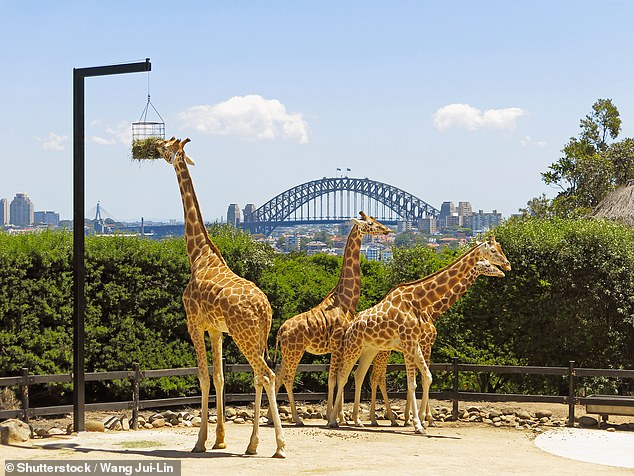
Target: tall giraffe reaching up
x: 379, y: 364
x: 320, y: 329
x: 217, y: 300
x: 402, y: 320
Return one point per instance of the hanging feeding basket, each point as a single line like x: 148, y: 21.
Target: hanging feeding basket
x: 146, y: 135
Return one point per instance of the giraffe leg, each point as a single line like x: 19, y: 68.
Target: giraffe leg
x: 219, y: 384
x: 425, y: 408
x: 359, y: 375
x: 289, y: 379
x: 411, y: 366
x: 263, y: 376
x: 198, y: 338
x: 342, y: 376
x: 333, y: 368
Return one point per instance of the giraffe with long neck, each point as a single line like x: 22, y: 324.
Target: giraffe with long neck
x: 218, y: 301
x: 320, y: 329
x: 379, y: 364
x: 402, y: 320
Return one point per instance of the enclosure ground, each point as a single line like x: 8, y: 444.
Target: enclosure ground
x: 448, y: 448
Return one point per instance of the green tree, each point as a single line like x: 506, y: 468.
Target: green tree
x: 592, y: 164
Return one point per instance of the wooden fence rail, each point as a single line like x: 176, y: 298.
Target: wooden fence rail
x: 455, y: 395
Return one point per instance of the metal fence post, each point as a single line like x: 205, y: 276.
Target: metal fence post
x: 135, y: 396
x: 454, y: 366
x: 24, y: 390
x: 571, y: 393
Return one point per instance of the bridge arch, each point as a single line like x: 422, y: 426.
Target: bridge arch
x: 277, y: 211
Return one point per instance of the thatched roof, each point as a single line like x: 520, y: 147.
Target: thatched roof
x: 618, y: 205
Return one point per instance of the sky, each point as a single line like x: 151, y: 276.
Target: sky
x: 449, y: 101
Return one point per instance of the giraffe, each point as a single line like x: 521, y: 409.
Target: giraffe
x: 379, y: 365
x: 320, y: 329
x: 401, y: 320
x: 217, y: 301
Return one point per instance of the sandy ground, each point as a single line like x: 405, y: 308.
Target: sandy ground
x: 450, y: 448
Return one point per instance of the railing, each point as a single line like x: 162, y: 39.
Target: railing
x: 455, y: 395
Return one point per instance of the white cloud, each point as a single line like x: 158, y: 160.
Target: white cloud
x: 53, y: 142
x: 109, y: 135
x: 471, y: 118
x: 251, y: 117
x: 528, y: 141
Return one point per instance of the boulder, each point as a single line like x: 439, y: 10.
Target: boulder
x: 94, y: 425
x: 543, y: 414
x: 588, y: 421
x: 14, y: 431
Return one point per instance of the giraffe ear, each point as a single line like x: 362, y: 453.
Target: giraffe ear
x: 188, y: 160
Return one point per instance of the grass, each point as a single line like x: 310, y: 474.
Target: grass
x: 145, y: 149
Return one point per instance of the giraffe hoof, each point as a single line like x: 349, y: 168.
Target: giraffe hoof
x: 374, y: 423
x: 280, y: 453
x: 333, y: 424
x: 199, y: 448
x: 220, y: 446
x: 419, y: 430
x: 358, y: 424
x: 394, y: 423
x: 251, y: 451
x: 299, y: 423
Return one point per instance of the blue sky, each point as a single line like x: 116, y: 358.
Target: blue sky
x: 460, y: 101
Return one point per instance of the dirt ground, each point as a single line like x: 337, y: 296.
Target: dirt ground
x: 452, y: 447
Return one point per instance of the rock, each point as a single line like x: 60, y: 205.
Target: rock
x: 523, y: 415
x: 494, y: 414
x: 473, y: 409
x: 40, y: 432
x: 497, y: 423
x: 148, y: 426
x: 230, y: 413
x: 588, y: 421
x: 94, y: 425
x: 187, y: 423
x: 56, y: 431
x: 158, y: 422
x: 544, y: 419
x: 14, y: 431
x: 125, y: 424
x: 610, y: 429
x: 543, y: 414
x: 156, y: 416
x: 170, y: 417
x: 284, y: 409
x: 110, y: 422
x: 196, y: 421
x: 239, y: 420
x: 212, y: 419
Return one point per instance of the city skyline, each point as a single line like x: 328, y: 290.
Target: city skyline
x: 459, y: 100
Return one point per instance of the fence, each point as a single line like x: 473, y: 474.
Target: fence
x: 455, y: 395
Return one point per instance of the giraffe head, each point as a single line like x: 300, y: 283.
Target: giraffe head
x: 173, y: 150
x: 369, y: 226
x: 492, y: 251
x: 486, y: 268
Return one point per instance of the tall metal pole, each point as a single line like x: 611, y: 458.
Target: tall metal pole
x: 79, y: 267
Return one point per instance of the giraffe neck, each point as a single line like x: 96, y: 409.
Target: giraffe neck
x: 196, y: 236
x: 439, y: 291
x: 347, y: 291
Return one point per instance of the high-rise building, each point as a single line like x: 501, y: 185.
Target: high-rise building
x: 464, y: 209
x: 46, y: 218
x: 428, y: 225
x: 484, y: 221
x: 4, y: 211
x: 447, y: 209
x: 233, y: 214
x: 248, y: 210
x: 21, y: 210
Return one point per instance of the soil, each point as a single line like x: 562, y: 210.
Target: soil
x: 449, y: 447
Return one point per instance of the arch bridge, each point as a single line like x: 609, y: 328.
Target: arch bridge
x: 337, y: 200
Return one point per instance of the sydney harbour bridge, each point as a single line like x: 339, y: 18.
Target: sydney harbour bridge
x: 336, y: 200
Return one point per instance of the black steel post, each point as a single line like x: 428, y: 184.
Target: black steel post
x: 79, y: 269
x: 571, y: 393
